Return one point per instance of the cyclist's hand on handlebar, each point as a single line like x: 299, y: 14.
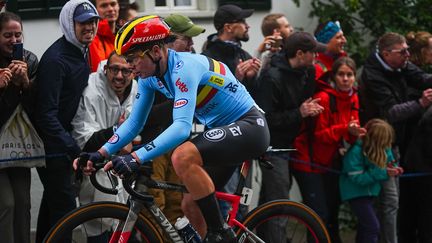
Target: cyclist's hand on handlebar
x: 124, y: 165
x: 87, y: 168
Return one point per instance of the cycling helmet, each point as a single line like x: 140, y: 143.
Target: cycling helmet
x: 140, y: 31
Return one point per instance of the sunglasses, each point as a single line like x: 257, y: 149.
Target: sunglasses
x: 403, y: 51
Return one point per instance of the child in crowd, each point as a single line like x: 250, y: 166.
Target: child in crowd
x: 368, y: 162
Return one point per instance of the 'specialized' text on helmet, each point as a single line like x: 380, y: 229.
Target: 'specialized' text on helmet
x: 139, y: 32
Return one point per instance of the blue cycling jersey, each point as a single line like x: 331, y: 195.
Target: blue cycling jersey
x: 199, y: 86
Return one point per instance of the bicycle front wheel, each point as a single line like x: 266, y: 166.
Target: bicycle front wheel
x: 283, y: 221
x: 95, y: 222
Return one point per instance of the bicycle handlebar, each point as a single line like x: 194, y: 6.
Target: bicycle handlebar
x: 144, y: 180
x: 82, y: 162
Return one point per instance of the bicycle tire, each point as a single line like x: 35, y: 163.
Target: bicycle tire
x: 312, y: 227
x: 111, y: 210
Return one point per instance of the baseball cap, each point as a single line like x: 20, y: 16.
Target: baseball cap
x: 303, y: 41
x: 84, y: 12
x: 230, y: 13
x: 183, y: 25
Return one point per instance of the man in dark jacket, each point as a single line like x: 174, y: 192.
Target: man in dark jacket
x: 62, y: 76
x: 285, y: 95
x: 383, y: 94
x: 225, y: 46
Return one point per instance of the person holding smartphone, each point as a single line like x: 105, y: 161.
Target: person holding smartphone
x: 16, y: 79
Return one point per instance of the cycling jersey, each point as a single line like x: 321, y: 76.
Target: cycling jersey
x: 199, y: 86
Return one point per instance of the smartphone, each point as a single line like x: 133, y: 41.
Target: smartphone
x: 277, y: 43
x: 18, y: 51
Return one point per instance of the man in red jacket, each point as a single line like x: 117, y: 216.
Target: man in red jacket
x: 103, y: 44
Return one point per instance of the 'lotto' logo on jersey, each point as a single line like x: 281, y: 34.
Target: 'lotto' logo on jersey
x: 180, y: 103
x: 182, y: 86
x: 113, y: 139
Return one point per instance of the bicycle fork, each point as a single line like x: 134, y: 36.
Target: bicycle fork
x: 123, y: 230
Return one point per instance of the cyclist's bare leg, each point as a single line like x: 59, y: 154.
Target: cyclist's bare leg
x: 193, y: 213
x: 188, y: 164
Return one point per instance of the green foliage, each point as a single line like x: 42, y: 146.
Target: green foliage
x: 364, y: 21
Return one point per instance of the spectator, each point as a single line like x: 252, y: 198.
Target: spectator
x: 16, y: 88
x: 275, y: 29
x: 225, y: 46
x: 420, y: 48
x: 61, y: 78
x: 104, y: 105
x: 182, y: 30
x: 329, y: 33
x: 383, y: 94
x: 319, y: 143
x: 285, y: 95
x: 127, y: 12
x: 103, y: 44
x: 364, y: 166
x: 413, y: 202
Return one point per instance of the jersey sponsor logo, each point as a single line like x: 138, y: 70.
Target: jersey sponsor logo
x: 148, y: 38
x: 207, y: 109
x: 160, y: 84
x: 114, y: 139
x: 149, y: 146
x: 178, y: 65
x: 182, y: 86
x: 137, y: 96
x: 180, y: 103
x: 260, y: 122
x: 232, y: 87
x: 215, y: 134
x: 235, y: 131
x: 217, y: 80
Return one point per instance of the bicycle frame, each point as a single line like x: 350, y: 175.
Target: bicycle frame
x: 139, y: 201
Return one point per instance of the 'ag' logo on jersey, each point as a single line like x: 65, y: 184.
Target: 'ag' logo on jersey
x: 178, y: 65
x: 114, y: 139
x: 215, y: 135
x: 182, y: 86
x: 180, y: 103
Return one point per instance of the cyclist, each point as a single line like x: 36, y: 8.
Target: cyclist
x: 200, y: 87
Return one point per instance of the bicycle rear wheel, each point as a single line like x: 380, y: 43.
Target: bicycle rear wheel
x: 283, y: 221
x: 98, y: 220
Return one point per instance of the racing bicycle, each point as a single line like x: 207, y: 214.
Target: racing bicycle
x: 142, y: 221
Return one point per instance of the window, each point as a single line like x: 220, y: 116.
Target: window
x: 255, y: 4
x: 175, y: 4
x: 191, y: 8
x: 30, y: 9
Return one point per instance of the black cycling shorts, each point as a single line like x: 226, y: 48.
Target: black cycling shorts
x: 224, y: 148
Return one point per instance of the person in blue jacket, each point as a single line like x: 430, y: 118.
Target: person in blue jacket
x: 61, y: 78
x: 368, y: 162
x: 200, y: 87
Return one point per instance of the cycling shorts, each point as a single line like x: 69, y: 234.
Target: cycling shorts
x: 224, y: 148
